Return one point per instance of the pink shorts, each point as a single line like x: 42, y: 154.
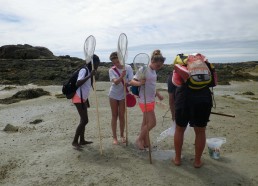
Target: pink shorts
x: 77, y: 99
x: 149, y: 106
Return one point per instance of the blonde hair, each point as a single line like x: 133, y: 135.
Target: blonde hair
x: 157, y: 56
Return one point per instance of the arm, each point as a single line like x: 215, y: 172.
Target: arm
x: 171, y: 96
x: 172, y: 105
x: 80, y: 82
x: 121, y: 77
x: 135, y: 82
x: 159, y: 96
x: 116, y: 80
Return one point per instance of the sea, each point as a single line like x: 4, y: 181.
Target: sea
x: 217, y: 51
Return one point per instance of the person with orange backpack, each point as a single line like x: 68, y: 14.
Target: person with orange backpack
x: 193, y: 76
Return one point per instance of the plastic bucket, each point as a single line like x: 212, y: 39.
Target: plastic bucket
x: 214, y: 145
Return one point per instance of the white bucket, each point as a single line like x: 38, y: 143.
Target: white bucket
x: 214, y: 145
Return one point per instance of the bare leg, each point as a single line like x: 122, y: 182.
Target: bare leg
x: 146, y: 127
x: 140, y: 140
x: 114, y: 110
x: 200, y: 141
x: 178, y: 143
x: 81, y: 127
x: 151, y: 121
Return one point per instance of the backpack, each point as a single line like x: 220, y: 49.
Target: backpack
x: 181, y: 59
x: 202, y: 73
x: 135, y: 90
x: 69, y: 87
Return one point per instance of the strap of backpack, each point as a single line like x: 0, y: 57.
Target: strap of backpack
x: 115, y: 69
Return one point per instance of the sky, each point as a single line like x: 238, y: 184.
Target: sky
x: 222, y: 30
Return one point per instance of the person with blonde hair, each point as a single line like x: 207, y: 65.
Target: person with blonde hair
x: 149, y: 83
x: 116, y: 95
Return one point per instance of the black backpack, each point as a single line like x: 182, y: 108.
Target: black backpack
x: 69, y: 87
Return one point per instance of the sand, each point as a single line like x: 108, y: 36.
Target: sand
x: 42, y: 154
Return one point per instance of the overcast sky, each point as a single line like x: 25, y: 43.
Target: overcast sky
x: 63, y: 25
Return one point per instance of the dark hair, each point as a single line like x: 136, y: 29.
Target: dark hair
x: 157, y: 56
x: 96, y: 62
x: 96, y: 59
x: 113, y: 55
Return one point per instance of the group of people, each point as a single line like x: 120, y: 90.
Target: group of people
x: 187, y: 106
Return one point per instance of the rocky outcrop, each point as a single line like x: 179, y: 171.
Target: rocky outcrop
x: 41, y: 67
x: 25, y: 52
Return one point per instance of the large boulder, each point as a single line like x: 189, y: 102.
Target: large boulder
x: 25, y: 52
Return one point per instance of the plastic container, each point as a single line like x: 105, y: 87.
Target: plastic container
x: 170, y: 132
x: 214, y: 145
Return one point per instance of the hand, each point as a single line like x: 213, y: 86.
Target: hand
x: 123, y: 73
x: 159, y: 96
x: 143, y: 81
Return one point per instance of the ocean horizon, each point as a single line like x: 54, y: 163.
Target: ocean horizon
x: 217, y: 51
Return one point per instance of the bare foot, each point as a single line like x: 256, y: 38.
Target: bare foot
x: 198, y: 164
x: 123, y: 140
x: 176, y: 162
x: 85, y: 142
x: 115, y: 142
x: 139, y: 145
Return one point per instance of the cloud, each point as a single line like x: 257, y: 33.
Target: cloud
x: 63, y: 25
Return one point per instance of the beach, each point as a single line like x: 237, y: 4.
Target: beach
x: 42, y: 153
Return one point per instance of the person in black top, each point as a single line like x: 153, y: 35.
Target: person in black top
x: 171, y: 95
x: 193, y: 107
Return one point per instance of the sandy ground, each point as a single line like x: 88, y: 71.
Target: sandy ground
x: 42, y: 154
